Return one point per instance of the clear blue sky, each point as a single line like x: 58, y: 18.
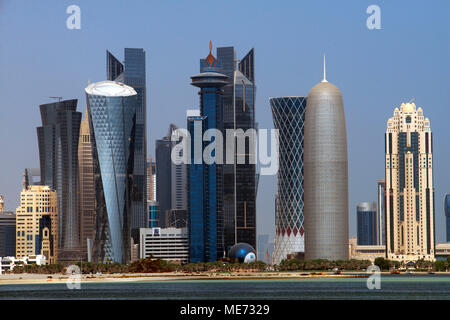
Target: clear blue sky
x: 376, y: 70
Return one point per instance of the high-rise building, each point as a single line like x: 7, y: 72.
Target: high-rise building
x: 409, y: 185
x: 7, y: 232
x: 171, y: 244
x: 171, y: 178
x: 132, y: 73
x: 239, y: 181
x: 447, y: 215
x: 86, y: 185
x: 37, y: 204
x: 325, y: 169
x: 112, y: 123
x: 381, y: 212
x: 289, y: 118
x: 153, y: 212
x: 206, y: 221
x: 151, y: 180
x: 366, y: 217
x: 31, y: 176
x: 2, y: 203
x: 58, y: 144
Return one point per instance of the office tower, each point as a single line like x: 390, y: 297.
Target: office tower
x: 239, y: 181
x: 288, y: 118
x: 381, y: 212
x: 86, y: 185
x: 366, y: 216
x: 7, y: 232
x: 263, y: 245
x: 447, y: 215
x: 206, y: 211
x: 58, y: 144
x: 2, y: 203
x: 37, y: 202
x: 325, y: 174
x: 171, y: 178
x: 171, y: 244
x: 409, y: 185
x: 112, y: 123
x: 132, y: 73
x: 151, y: 180
x: 153, y: 212
x: 31, y: 176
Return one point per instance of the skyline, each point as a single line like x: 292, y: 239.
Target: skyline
x: 370, y: 76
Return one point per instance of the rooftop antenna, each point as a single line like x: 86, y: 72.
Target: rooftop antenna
x: 324, y: 69
x: 59, y: 98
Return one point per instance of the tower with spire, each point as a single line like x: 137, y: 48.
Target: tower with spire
x: 325, y: 174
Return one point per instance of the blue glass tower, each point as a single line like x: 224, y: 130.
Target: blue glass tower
x: 206, y: 204
x: 447, y: 215
x: 112, y: 121
x: 366, y: 215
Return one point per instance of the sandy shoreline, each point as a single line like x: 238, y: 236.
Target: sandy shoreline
x: 62, y: 278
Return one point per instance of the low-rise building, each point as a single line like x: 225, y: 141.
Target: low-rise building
x: 8, y: 263
x: 170, y: 244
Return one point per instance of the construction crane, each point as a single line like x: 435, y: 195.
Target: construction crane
x: 59, y: 98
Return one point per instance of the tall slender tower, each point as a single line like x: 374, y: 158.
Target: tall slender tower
x: 289, y: 118
x: 206, y: 209
x: 58, y: 145
x: 86, y: 184
x: 409, y: 186
x: 132, y: 73
x: 325, y: 174
x: 112, y: 124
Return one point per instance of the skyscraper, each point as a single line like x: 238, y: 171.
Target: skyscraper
x: 381, y: 210
x: 409, y: 185
x: 86, y: 185
x: 132, y: 73
x: 171, y: 178
x: 151, y: 180
x: 58, y: 144
x: 7, y: 233
x: 239, y: 191
x: 112, y: 123
x: 447, y: 216
x: 366, y: 216
x: 206, y: 178
x: 289, y: 118
x: 36, y: 202
x: 325, y: 174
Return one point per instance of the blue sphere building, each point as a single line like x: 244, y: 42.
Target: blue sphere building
x: 243, y: 252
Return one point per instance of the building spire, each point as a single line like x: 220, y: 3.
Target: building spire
x: 324, y: 69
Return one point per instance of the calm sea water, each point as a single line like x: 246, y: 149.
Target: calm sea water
x: 392, y: 287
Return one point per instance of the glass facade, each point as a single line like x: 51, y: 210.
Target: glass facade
x: 447, y: 215
x: 289, y: 118
x: 7, y: 234
x: 132, y: 73
x: 153, y: 212
x: 366, y: 216
x: 58, y: 145
x: 112, y: 122
x: 205, y: 196
x: 239, y: 196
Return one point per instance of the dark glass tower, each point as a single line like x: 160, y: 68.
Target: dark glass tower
x: 7, y: 234
x: 132, y: 73
x: 366, y: 215
x: 206, y: 208
x: 447, y: 216
x: 112, y: 124
x: 239, y: 179
x: 58, y: 153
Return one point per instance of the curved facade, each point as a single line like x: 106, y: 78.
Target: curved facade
x: 58, y: 144
x: 325, y: 173
x: 112, y: 122
x: 289, y: 118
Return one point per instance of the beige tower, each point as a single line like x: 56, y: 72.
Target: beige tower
x: 409, y: 186
x: 37, y: 205
x: 86, y: 184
